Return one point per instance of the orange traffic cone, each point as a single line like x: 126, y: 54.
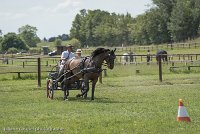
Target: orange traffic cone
x: 182, y: 112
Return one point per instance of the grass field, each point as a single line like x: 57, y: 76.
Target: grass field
x: 126, y: 102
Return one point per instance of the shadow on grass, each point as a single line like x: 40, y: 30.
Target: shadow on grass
x: 88, y: 99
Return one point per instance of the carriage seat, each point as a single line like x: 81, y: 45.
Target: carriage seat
x: 53, y: 75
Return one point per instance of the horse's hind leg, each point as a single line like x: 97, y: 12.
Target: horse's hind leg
x: 66, y: 92
x: 84, y: 90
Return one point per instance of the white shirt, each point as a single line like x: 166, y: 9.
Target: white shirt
x: 66, y: 55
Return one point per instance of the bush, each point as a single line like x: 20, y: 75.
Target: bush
x: 58, y: 42
x: 75, y: 43
x: 35, y: 50
x: 13, y: 50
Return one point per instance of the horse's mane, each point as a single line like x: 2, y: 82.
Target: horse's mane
x: 98, y: 51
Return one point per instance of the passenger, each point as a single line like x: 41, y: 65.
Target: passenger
x: 78, y: 53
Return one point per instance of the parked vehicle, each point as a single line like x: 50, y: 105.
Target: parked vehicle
x: 52, y: 53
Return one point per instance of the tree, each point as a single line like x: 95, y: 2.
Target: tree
x: 28, y: 34
x: 167, y: 20
x: 58, y: 42
x: 65, y: 37
x: 139, y: 30
x: 78, y: 28
x: 75, y: 43
x: 52, y: 39
x: 1, y: 32
x: 156, y: 26
x: 1, y: 38
x: 12, y: 40
x: 185, y: 20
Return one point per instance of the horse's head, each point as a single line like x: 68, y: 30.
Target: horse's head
x: 101, y: 54
x: 110, y: 58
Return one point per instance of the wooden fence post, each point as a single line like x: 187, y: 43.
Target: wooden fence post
x: 160, y: 68
x: 18, y: 75
x: 39, y: 72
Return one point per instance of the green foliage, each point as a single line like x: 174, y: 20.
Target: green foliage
x: 63, y: 37
x: 1, y: 38
x: 185, y: 20
x: 58, y: 42
x: 98, y: 27
x: 1, y: 32
x: 12, y: 50
x: 29, y: 36
x: 12, y: 40
x: 166, y: 21
x: 35, y: 50
x: 75, y: 43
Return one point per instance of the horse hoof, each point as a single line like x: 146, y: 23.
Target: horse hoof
x: 65, y: 99
x: 78, y: 95
x: 85, y: 96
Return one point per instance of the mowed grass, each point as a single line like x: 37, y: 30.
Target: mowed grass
x: 126, y: 103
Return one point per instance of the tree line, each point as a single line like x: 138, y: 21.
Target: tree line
x: 26, y: 38
x: 166, y: 21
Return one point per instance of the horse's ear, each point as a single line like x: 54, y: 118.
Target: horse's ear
x: 114, y: 50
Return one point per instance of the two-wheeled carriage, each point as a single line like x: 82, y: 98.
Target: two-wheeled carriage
x: 53, y: 83
x: 79, y: 72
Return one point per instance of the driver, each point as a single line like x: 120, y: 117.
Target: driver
x: 68, y: 54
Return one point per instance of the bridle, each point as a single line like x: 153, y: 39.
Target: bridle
x: 110, y: 58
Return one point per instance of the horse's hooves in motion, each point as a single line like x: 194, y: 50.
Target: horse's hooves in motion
x: 65, y: 99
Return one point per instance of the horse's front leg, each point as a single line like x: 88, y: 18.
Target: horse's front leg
x: 93, y: 88
x: 84, y: 90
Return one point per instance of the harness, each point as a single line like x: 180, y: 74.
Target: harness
x: 83, y: 69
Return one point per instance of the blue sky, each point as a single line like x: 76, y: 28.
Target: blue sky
x: 54, y: 17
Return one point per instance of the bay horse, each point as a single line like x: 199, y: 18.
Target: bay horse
x: 88, y: 68
x: 162, y: 54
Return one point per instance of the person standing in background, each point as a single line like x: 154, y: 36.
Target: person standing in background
x: 148, y: 57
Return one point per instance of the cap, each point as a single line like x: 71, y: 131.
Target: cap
x: 78, y: 51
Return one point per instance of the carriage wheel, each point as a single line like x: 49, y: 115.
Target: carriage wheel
x: 49, y: 89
